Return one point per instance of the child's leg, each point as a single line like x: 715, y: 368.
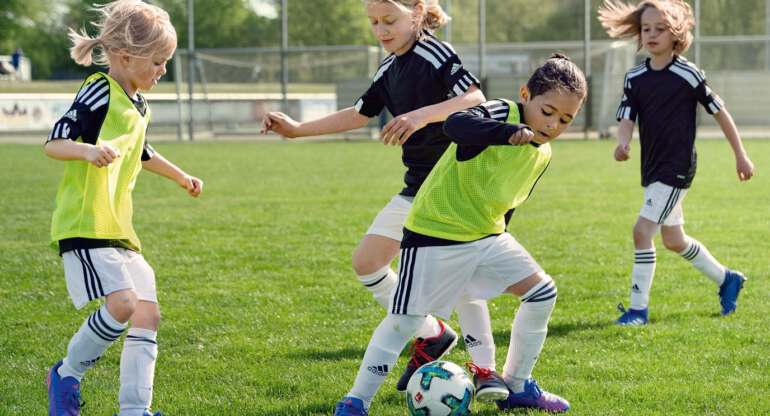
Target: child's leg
x: 477, y: 331
x: 644, y: 262
x: 137, y: 362
x: 675, y: 239
x: 530, y: 327
x: 140, y: 348
x: 371, y: 262
x: 97, y: 333
x: 381, y: 355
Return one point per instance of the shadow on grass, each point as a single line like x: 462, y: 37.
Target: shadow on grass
x: 558, y: 330
x: 328, y: 355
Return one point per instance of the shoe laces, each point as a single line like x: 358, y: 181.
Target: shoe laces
x: 535, y: 388
x: 622, y: 308
x: 479, y: 372
x: 418, y: 349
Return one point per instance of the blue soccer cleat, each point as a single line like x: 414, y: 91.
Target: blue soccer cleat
x: 632, y: 317
x: 350, y: 406
x: 729, y: 291
x: 63, y: 394
x: 534, y: 398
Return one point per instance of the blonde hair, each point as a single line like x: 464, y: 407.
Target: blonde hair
x: 143, y: 30
x: 433, y: 16
x: 623, y: 20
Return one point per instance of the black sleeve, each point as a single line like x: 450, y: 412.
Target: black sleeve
x: 371, y: 103
x: 453, y: 74
x: 147, y: 152
x: 85, y: 117
x: 476, y: 127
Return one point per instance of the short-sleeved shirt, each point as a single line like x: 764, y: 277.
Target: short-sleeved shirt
x: 429, y: 73
x: 665, y: 102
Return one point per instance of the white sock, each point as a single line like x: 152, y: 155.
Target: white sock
x: 429, y: 329
x: 137, y: 371
x: 381, y: 284
x: 477, y: 332
x: 700, y: 257
x: 96, y: 334
x: 528, y: 333
x: 641, y: 277
x: 381, y: 355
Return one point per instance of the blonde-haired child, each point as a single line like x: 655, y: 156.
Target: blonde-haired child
x: 101, y: 138
x: 663, y: 93
x: 420, y: 82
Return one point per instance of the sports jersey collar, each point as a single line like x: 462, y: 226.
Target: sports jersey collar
x: 139, y: 103
x: 665, y: 68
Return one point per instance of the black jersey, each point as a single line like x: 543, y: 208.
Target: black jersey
x: 429, y: 73
x: 85, y: 117
x: 665, y: 103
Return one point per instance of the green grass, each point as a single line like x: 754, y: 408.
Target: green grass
x: 46, y: 87
x: 263, y: 316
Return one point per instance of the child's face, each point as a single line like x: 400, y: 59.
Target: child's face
x: 657, y: 38
x: 549, y: 114
x: 144, y: 73
x: 393, y: 26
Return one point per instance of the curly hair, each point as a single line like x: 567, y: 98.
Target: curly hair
x: 623, y: 20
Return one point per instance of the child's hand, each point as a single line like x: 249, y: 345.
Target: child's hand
x: 744, y: 167
x: 622, y: 152
x: 102, y: 155
x: 400, y: 128
x: 279, y: 123
x: 193, y: 185
x: 523, y: 136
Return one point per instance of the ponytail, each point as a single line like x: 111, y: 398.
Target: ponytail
x: 435, y: 16
x: 83, y: 47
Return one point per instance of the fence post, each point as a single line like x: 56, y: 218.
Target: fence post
x: 190, y: 66
x: 284, y: 57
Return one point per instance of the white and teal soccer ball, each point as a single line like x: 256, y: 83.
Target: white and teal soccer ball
x: 439, y: 388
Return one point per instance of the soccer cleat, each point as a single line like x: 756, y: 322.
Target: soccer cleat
x: 534, y: 397
x: 729, y: 291
x: 632, y: 317
x: 425, y: 350
x: 489, y: 385
x: 350, y: 406
x: 63, y: 394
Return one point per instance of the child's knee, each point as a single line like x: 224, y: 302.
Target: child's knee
x: 674, y: 243
x: 122, y: 304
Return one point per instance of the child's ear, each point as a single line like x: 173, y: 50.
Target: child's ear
x: 524, y: 94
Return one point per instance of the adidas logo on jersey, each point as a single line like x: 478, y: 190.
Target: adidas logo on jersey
x: 72, y: 115
x: 471, y: 342
x: 455, y: 68
x: 379, y: 370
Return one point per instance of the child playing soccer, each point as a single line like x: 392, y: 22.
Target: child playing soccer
x: 102, y: 141
x: 663, y: 94
x: 417, y: 62
x: 455, y: 244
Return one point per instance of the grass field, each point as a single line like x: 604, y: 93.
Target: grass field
x: 263, y: 316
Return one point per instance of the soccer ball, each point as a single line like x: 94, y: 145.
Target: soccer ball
x: 439, y: 388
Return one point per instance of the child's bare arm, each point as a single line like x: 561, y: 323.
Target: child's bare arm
x: 400, y: 128
x: 625, y: 132
x: 343, y: 120
x: 98, y: 155
x: 160, y: 166
x: 743, y: 165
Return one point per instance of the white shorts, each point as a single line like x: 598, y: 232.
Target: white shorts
x: 432, y: 279
x: 663, y: 204
x: 389, y: 222
x: 97, y: 272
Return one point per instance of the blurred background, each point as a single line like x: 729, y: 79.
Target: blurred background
x: 237, y: 59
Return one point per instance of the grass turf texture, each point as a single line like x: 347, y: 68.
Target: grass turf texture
x: 263, y: 316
